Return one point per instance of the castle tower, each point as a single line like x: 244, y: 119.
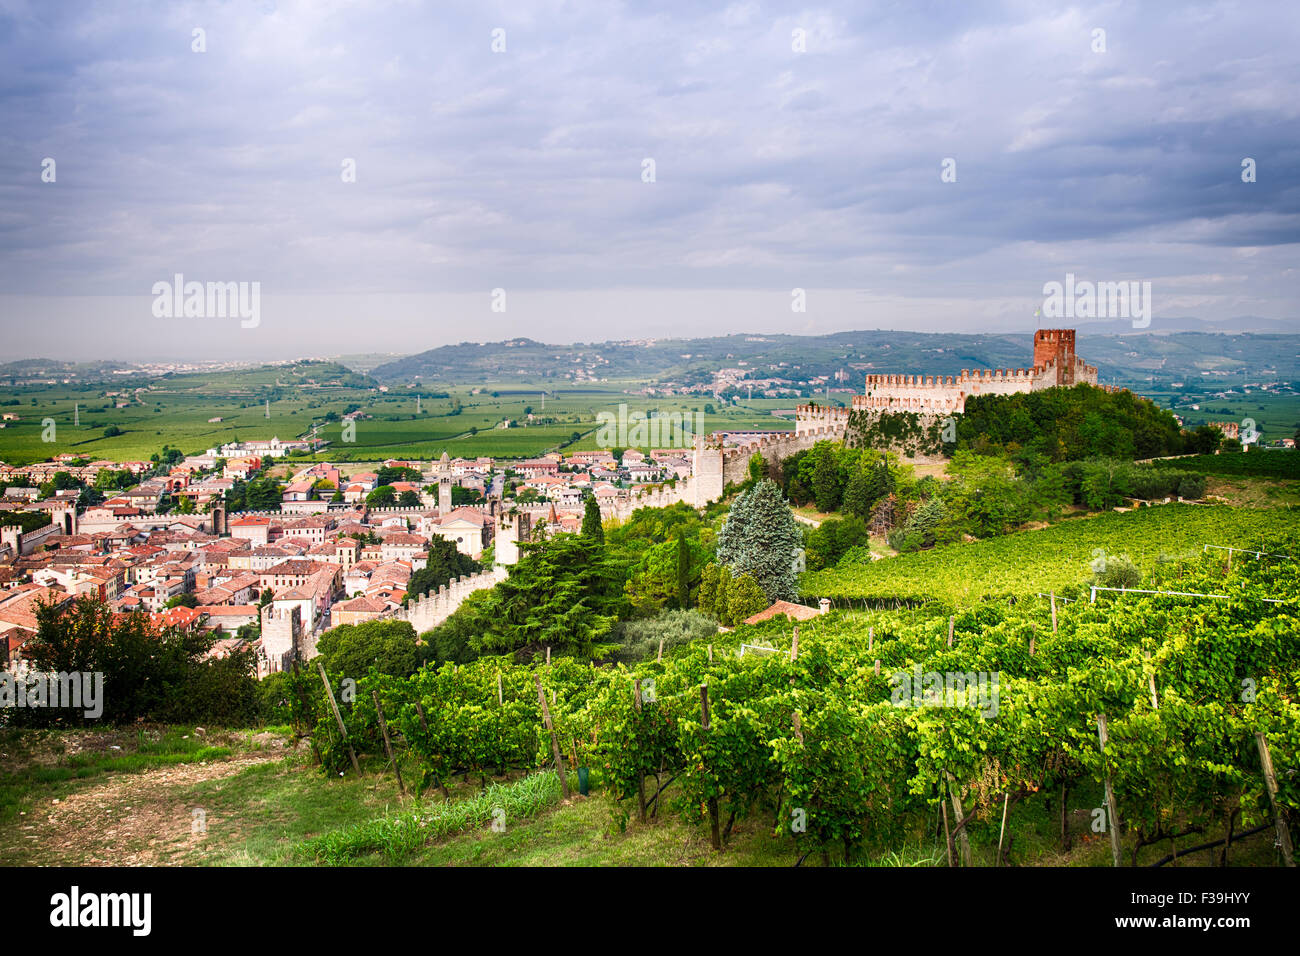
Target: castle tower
x: 1056, y: 346
x: 281, y: 634
x: 66, y: 518
x: 511, y: 529
x: 443, y: 473
x: 218, y: 513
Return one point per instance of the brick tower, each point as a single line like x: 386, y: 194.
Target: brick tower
x: 1056, y: 346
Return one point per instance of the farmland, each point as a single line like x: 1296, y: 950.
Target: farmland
x: 397, y: 422
x: 1057, y: 558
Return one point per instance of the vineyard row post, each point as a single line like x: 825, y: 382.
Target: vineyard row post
x: 1270, y: 781
x: 329, y: 695
x: 388, y: 744
x: 555, y: 742
x: 1111, y: 812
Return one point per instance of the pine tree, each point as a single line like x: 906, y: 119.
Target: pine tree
x: 591, y: 526
x: 759, y: 538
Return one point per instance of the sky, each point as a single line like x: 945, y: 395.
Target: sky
x: 581, y: 171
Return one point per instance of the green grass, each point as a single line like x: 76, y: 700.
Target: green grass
x: 396, y: 836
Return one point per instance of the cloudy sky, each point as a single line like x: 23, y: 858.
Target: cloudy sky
x: 792, y: 147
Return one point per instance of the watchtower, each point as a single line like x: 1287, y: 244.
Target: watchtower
x: 1056, y: 347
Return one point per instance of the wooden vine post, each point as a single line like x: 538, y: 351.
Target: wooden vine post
x: 555, y: 742
x: 1003, y: 831
x: 388, y: 744
x: 714, y: 833
x: 871, y: 638
x: 947, y: 833
x: 951, y: 620
x: 794, y: 644
x: 1270, y: 779
x: 1112, y: 814
x: 954, y: 792
x: 329, y: 695
x: 640, y: 771
x: 1053, y: 595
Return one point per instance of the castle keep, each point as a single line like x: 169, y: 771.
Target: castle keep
x: 1055, y: 363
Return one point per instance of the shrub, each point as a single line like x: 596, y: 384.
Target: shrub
x: 639, y: 640
x: 1117, y: 571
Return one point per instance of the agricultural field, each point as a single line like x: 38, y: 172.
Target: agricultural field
x: 1276, y: 415
x: 1255, y: 464
x: 1058, y: 557
x: 463, y: 420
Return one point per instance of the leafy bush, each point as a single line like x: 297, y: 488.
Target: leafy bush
x: 1117, y: 571
x: 639, y: 640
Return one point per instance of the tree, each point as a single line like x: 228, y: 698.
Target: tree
x: 759, y: 538
x: 745, y: 599
x: 90, y: 496
x: 465, y: 496
x: 350, y: 650
x: 382, y: 497
x: 445, y: 562
x: 147, y: 675
x: 683, y: 572
x: 112, y: 431
x: 708, y: 590
x: 591, y: 524
x: 826, y: 479
x: 1205, y: 440
x: 409, y: 499
x: 564, y: 593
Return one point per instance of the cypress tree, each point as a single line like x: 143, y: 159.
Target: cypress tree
x: 591, y: 526
x: 683, y: 572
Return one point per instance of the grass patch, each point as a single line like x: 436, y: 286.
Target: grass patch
x: 396, y: 836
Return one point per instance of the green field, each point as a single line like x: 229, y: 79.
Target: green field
x: 175, y: 410
x: 1056, y: 558
x: 1255, y: 464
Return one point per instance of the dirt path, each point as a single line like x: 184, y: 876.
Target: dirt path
x: 130, y: 819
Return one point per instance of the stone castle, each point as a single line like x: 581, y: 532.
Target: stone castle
x: 1055, y: 363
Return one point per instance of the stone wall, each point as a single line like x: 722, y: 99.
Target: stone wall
x: 429, y: 610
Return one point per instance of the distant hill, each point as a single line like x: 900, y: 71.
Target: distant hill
x: 1137, y: 357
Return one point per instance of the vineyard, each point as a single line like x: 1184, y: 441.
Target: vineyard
x: 867, y: 731
x: 1055, y: 557
x: 1255, y: 464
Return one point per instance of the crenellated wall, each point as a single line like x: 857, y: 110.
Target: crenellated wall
x: 429, y: 610
x: 1055, y: 363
